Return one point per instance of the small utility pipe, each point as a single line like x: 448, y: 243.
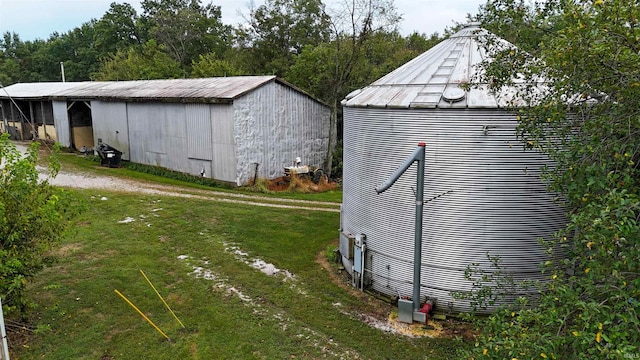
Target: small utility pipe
x: 419, y: 156
x: 362, y: 258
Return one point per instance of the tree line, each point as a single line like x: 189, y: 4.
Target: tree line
x: 186, y: 38
x: 327, y: 53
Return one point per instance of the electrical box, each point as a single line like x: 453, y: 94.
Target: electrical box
x: 346, y: 245
x: 405, y: 311
x: 360, y: 240
x: 357, y: 259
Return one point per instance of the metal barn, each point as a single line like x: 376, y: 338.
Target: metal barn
x: 482, y: 191
x: 27, y: 111
x: 229, y: 128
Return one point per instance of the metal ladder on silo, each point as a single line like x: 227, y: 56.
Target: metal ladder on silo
x: 444, y: 72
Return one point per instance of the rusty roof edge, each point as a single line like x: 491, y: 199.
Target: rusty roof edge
x: 64, y: 94
x: 186, y: 100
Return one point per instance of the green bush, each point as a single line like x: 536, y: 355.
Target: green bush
x: 33, y: 216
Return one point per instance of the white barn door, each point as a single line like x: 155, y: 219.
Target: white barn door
x: 198, y: 134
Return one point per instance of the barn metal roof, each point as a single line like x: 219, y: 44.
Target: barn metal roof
x: 437, y: 78
x: 35, y: 90
x: 211, y: 90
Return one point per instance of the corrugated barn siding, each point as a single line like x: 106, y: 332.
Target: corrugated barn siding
x: 61, y: 121
x: 492, y: 198
x: 224, y: 150
x: 275, y: 124
x: 157, y: 133
x: 184, y: 137
x: 198, y: 129
x: 110, y: 124
x: 198, y: 138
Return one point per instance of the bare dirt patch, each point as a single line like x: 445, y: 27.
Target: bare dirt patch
x: 95, y: 256
x: 67, y: 250
x: 384, y: 316
x: 20, y: 333
x: 375, y: 307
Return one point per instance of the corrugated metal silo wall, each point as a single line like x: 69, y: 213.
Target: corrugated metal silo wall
x: 273, y: 125
x: 493, y: 202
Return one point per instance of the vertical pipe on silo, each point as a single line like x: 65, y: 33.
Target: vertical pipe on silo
x: 417, y: 249
x: 419, y: 156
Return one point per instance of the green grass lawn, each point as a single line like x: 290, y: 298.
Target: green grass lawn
x: 198, y: 254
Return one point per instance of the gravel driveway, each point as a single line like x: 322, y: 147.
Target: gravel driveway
x: 110, y: 183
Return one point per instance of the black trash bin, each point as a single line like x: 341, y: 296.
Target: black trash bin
x: 109, y: 156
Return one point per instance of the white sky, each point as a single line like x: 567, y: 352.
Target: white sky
x: 32, y: 19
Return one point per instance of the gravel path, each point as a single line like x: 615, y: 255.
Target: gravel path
x: 132, y: 186
x: 110, y: 183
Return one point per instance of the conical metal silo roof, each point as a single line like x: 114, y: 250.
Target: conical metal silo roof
x: 437, y: 78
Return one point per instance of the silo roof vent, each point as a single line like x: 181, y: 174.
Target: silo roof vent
x: 454, y: 95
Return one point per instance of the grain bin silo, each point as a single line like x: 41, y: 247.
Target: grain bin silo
x: 482, y: 190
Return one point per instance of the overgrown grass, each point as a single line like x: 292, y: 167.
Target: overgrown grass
x: 238, y: 313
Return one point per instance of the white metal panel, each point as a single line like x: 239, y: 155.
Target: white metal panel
x: 198, y: 167
x: 110, y: 124
x: 223, y: 145
x: 36, y: 90
x: 483, y: 192
x: 198, y: 131
x: 61, y: 122
x: 251, y: 113
x: 157, y: 135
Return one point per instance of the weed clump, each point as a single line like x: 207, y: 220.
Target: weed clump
x: 292, y: 184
